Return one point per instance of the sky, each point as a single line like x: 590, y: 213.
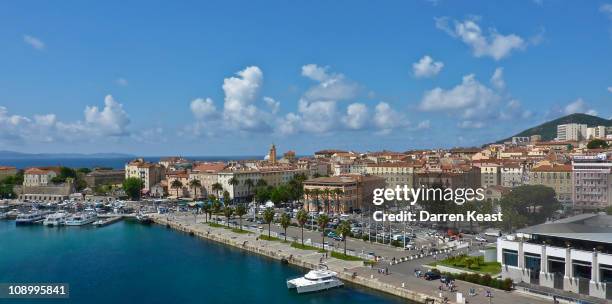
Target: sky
x: 233, y: 77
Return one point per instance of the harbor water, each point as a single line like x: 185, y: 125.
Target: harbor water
x: 127, y: 262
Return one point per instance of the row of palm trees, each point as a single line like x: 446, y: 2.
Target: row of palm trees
x: 195, y: 184
x: 325, y: 194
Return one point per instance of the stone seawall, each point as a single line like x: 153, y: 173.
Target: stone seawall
x: 274, y: 253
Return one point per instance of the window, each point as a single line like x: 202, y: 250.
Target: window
x: 510, y: 257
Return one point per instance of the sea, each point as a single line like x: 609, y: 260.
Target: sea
x: 93, y: 162
x: 128, y: 262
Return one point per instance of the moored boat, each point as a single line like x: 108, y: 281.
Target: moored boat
x: 55, y: 219
x: 29, y: 218
x: 315, y: 280
x: 82, y: 218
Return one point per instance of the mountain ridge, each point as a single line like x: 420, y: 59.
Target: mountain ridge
x: 548, y: 130
x: 4, y: 154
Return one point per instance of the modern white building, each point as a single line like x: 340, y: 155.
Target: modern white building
x: 572, y: 256
x: 571, y: 132
x: 592, y: 182
x: 596, y: 132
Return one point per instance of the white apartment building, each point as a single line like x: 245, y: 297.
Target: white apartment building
x: 592, y: 182
x: 512, y: 175
x: 395, y: 174
x: 150, y: 173
x: 34, y: 177
x: 571, y: 132
x: 596, y: 132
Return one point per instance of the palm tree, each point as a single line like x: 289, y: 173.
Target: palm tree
x: 228, y: 211
x: 234, y: 182
x: 315, y: 194
x: 268, y: 217
x: 344, y: 229
x: 302, y: 218
x: 226, y: 198
x: 176, y: 184
x: 195, y: 184
x: 240, y: 212
x: 337, y: 193
x: 322, y: 221
x: 216, y: 207
x: 217, y: 187
x: 285, y: 221
x: 249, y: 184
x: 307, y: 193
x: 207, y: 210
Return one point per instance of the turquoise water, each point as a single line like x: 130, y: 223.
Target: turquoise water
x: 132, y: 263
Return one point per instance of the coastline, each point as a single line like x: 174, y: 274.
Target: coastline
x: 302, y: 258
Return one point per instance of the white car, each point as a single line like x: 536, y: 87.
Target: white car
x: 409, y: 246
x: 480, y: 239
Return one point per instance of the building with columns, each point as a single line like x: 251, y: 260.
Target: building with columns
x: 572, y: 254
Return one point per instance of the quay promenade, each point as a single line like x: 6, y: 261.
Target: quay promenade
x: 399, y: 284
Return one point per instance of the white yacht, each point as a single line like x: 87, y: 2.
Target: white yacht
x: 55, y: 219
x: 315, y: 280
x: 28, y: 218
x: 83, y: 218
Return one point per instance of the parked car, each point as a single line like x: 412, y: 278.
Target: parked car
x: 409, y: 246
x: 430, y: 276
x: 445, y: 279
x: 480, y: 238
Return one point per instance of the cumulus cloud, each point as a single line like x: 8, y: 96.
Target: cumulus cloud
x: 491, y: 44
x: 203, y: 108
x: 610, y: 89
x: 272, y: 104
x: 470, y: 97
x: 578, y: 106
x: 331, y: 86
x: 606, y: 9
x: 497, y: 80
x: 110, y: 121
x: 425, y: 124
x: 387, y: 119
x: 426, y: 67
x: 357, y: 116
x: 239, y: 110
x: 34, y: 42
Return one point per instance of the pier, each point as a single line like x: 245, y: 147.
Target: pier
x: 107, y: 221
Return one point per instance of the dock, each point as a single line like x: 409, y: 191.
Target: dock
x: 107, y: 221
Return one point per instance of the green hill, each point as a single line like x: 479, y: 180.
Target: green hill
x: 548, y: 130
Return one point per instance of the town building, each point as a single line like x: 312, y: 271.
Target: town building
x: 490, y: 174
x: 592, y: 182
x: 6, y: 171
x: 34, y: 177
x: 571, y: 132
x: 38, y: 186
x: 598, y: 132
x: 556, y: 176
x: 572, y: 255
x: 99, y: 177
x: 395, y: 174
x: 512, y: 174
x: 206, y: 173
x: 355, y: 192
x: 149, y: 173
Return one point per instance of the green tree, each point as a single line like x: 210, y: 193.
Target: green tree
x: 344, y: 228
x: 322, y: 221
x: 302, y: 218
x: 207, y: 209
x: 597, y: 144
x: 337, y: 194
x: 249, y: 184
x: 216, y: 207
x: 285, y: 221
x: 226, y: 198
x: 228, y: 211
x: 268, y: 217
x: 132, y: 187
x: 176, y: 184
x: 195, y: 184
x: 240, y: 212
x: 609, y: 210
x: 261, y: 183
x: 217, y: 187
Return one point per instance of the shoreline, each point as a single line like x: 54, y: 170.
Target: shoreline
x: 247, y: 242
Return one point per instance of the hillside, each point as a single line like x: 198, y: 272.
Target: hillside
x: 548, y: 130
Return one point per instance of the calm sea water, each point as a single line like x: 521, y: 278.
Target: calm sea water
x: 116, y: 163
x: 132, y: 263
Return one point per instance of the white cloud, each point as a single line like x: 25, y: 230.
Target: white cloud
x: 356, y: 117
x: 578, y: 106
x: 121, y: 81
x: 34, y: 42
x: 317, y: 116
x: 470, y: 96
x: 469, y: 124
x: 606, y: 9
x: 494, y: 45
x: 425, y: 124
x: 272, y: 104
x: 331, y: 86
x: 610, y: 89
x: 497, y: 80
x: 239, y: 110
x: 112, y: 120
x: 387, y: 119
x: 426, y: 67
x: 203, y: 108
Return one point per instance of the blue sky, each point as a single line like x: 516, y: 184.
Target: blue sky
x: 231, y: 77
